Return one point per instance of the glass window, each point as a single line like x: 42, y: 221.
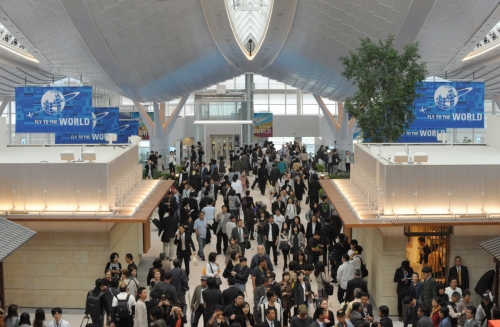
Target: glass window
x: 278, y: 109
x: 261, y: 108
x: 276, y: 99
x: 240, y: 82
x: 261, y: 82
x: 260, y: 99
x: 127, y: 102
x: 310, y: 109
x: 275, y: 85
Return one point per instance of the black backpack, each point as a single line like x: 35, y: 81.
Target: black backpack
x: 364, y: 271
x: 93, y: 304
x: 122, y: 311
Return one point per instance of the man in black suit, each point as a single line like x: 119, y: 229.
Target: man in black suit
x: 356, y: 282
x: 402, y: 276
x: 179, y: 280
x: 461, y: 273
x: 367, y: 312
x: 203, y: 171
x: 412, y: 305
x: 270, y: 320
x: 425, y: 250
x: 229, y: 294
x: 271, y: 232
x: 184, y: 244
x: 383, y: 313
x: 195, y: 180
x: 262, y: 177
x: 240, y: 233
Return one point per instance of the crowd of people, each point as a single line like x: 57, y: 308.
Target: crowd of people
x: 315, y: 251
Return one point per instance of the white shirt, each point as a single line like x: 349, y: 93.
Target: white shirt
x: 240, y: 235
x: 237, y: 187
x: 211, y: 269
x: 270, y: 236
x: 313, y: 227
x: 61, y: 323
x: 229, y: 228
x: 449, y: 291
x: 121, y: 296
x: 141, y: 315
x: 345, y: 274
x: 279, y: 220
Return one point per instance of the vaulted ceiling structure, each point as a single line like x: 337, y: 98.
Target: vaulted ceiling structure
x: 158, y: 50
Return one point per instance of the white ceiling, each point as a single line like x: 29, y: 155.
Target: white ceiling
x: 161, y: 50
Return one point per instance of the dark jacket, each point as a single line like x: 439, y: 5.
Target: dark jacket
x: 211, y: 297
x: 195, y: 180
x: 188, y: 246
x: 309, y: 232
x: 276, y: 323
x: 170, y: 225
x: 235, y: 233
x: 398, y: 278
x: 164, y: 288
x: 412, y: 314
x: 229, y: 294
x: 429, y: 292
x: 275, y: 231
x: 464, y: 272
x: 298, y: 292
x: 179, y: 280
x: 242, y: 274
x: 386, y: 322
x: 352, y: 285
x: 275, y: 174
x: 314, y: 188
x: 278, y: 205
x: 262, y: 174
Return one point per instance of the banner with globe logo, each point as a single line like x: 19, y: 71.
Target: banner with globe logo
x: 442, y: 105
x: 58, y: 109
x: 104, y: 121
x: 128, y: 127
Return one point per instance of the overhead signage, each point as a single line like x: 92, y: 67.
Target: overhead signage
x: 449, y: 105
x: 104, y: 121
x: 58, y: 109
x: 263, y: 125
x: 128, y: 127
x: 142, y: 129
x: 445, y: 105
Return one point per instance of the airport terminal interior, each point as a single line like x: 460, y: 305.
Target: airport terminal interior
x: 168, y: 163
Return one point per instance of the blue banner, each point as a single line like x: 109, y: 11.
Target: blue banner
x: 449, y: 105
x: 58, y: 109
x: 104, y: 121
x: 421, y: 135
x: 128, y: 127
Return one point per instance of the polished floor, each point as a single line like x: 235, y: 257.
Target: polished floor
x: 74, y: 316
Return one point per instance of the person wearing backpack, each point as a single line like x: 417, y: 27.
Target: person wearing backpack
x: 122, y: 309
x: 96, y: 304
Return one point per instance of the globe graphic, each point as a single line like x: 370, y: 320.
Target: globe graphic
x: 53, y: 102
x: 446, y: 97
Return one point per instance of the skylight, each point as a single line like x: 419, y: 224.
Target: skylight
x: 249, y: 21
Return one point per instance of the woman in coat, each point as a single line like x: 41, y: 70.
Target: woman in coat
x: 300, y: 189
x: 212, y: 297
x: 302, y: 291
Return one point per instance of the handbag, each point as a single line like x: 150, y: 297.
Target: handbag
x: 218, y: 281
x: 328, y: 288
x: 194, y: 261
x: 307, y: 200
x: 284, y: 246
x: 247, y: 244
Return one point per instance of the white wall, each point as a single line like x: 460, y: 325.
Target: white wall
x: 492, y: 132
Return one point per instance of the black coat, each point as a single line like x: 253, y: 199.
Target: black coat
x: 412, y: 314
x: 211, y: 297
x: 262, y: 174
x: 314, y: 188
x: 278, y: 205
x: 189, y: 245
x: 309, y: 232
x: 398, y: 278
x: 170, y: 225
x: 352, y: 285
x: 229, y: 295
x: 453, y: 273
x: 275, y: 232
x: 195, y: 180
x: 298, y: 292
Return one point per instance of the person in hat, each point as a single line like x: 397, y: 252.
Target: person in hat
x: 429, y: 289
x: 483, y: 312
x: 217, y: 319
x: 197, y: 303
x: 341, y: 315
x: 302, y: 319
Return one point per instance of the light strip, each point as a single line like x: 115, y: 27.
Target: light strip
x: 25, y: 56
x: 223, y: 122
x: 469, y: 57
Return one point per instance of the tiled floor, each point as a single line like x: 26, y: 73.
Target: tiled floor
x: 74, y: 316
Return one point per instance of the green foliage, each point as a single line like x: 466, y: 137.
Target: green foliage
x: 320, y: 168
x: 339, y: 176
x: 466, y: 140
x: 386, y: 80
x: 178, y: 168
